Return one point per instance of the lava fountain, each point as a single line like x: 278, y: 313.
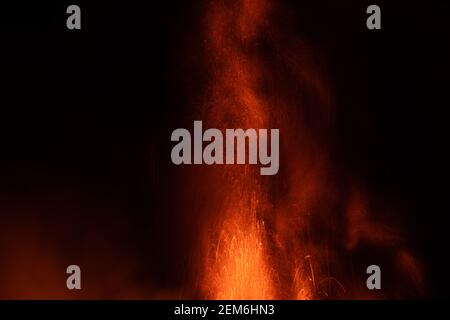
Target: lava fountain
x: 288, y: 236
x: 239, y: 263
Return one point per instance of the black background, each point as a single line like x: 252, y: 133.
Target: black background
x: 86, y: 118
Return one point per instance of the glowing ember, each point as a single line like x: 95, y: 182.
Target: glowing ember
x: 239, y: 267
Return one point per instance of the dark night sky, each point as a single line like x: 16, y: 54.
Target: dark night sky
x: 86, y: 119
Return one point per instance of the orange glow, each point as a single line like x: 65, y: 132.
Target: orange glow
x: 239, y: 263
x: 206, y: 231
x: 286, y: 237
x: 239, y: 268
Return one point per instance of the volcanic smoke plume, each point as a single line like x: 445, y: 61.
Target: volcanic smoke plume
x: 299, y: 234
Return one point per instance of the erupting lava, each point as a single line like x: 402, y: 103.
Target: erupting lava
x: 287, y: 236
x: 239, y: 264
